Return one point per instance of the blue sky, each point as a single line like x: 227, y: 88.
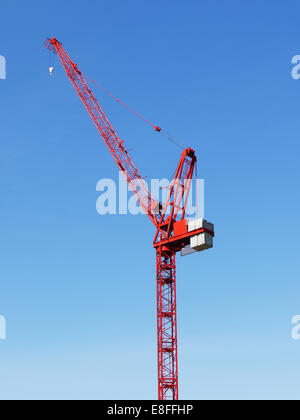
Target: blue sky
x: 78, y: 289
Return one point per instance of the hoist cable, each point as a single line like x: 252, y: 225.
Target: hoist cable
x: 165, y: 133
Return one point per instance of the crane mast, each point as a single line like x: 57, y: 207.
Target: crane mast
x: 173, y: 232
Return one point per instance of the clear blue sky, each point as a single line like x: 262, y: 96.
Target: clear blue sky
x: 78, y: 289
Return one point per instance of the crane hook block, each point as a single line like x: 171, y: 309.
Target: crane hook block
x: 158, y: 129
x: 51, y: 70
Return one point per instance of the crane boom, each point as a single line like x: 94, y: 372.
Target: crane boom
x: 115, y: 145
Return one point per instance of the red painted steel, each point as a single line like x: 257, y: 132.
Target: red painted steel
x: 167, y: 324
x: 180, y: 227
x: 176, y: 204
x: 165, y: 243
x: 113, y: 142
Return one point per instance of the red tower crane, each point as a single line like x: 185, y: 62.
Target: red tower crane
x: 173, y: 231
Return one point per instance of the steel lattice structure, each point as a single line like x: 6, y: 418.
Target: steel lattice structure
x: 172, y: 233
x: 166, y: 325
